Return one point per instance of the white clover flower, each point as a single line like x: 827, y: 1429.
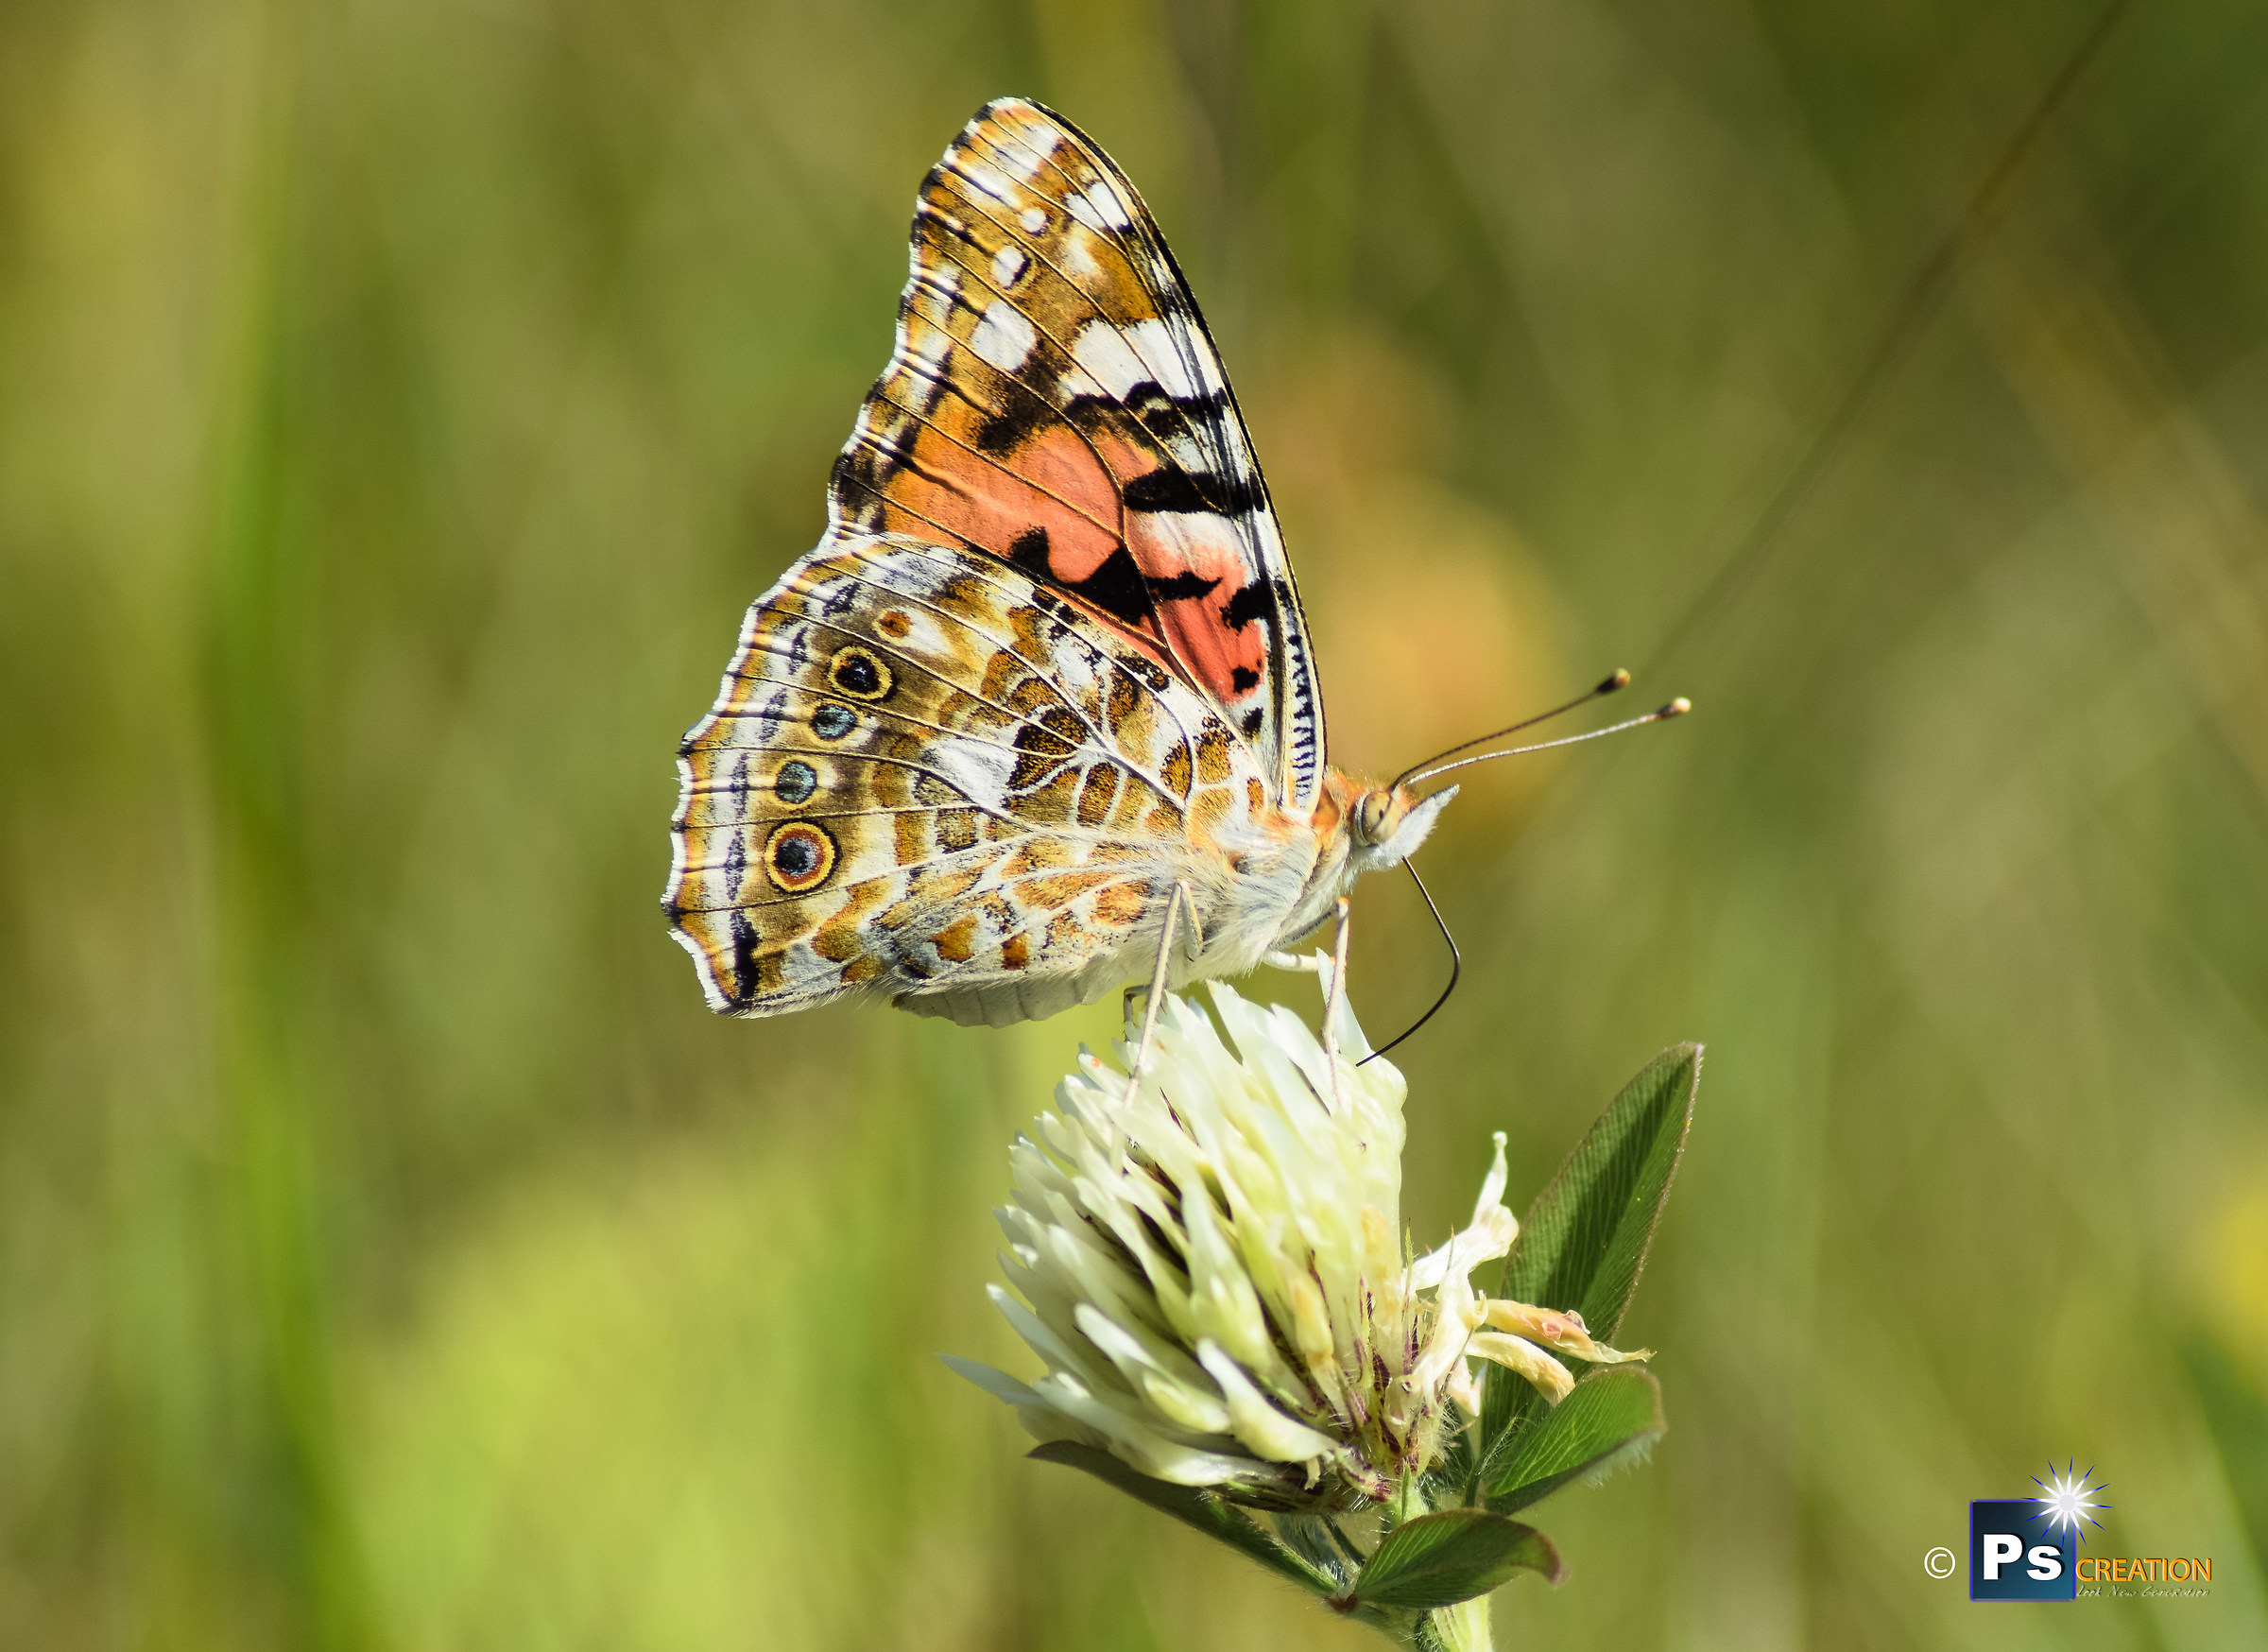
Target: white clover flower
x: 1215, y: 1273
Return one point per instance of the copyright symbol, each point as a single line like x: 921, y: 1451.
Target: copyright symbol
x: 1939, y: 1563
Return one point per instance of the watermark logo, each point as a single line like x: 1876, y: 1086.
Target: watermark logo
x: 2027, y: 1548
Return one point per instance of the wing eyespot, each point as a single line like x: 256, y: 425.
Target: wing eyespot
x: 799, y: 857
x: 861, y: 674
x: 834, y: 721
x: 796, y: 784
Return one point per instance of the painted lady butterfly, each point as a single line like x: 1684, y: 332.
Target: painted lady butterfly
x: 1046, y: 675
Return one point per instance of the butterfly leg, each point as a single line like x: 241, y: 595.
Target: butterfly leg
x: 1182, y: 894
x: 1334, y: 1002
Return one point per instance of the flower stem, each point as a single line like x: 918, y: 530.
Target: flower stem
x: 1463, y: 1627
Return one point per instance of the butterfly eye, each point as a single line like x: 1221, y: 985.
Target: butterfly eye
x: 799, y: 857
x: 856, y: 672
x: 1370, y: 818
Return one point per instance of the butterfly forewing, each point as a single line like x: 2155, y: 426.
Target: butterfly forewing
x: 1056, y: 400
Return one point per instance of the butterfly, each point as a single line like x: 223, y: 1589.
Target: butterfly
x: 1041, y: 705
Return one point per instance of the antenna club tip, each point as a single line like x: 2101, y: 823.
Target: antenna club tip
x: 1676, y: 708
x: 1619, y: 679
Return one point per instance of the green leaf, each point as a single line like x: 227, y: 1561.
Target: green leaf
x: 1585, y: 1236
x: 1613, y: 1415
x: 1202, y: 1509
x: 1584, y: 1240
x: 1442, y: 1559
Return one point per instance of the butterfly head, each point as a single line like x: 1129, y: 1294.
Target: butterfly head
x: 1385, y: 824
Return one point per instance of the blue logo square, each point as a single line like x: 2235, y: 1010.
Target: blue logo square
x: 2015, y: 1552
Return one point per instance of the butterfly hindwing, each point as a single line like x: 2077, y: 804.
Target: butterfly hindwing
x: 930, y: 776
x: 1054, y: 400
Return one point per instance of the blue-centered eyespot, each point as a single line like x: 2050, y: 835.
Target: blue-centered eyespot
x: 798, y: 856
x: 794, y: 783
x: 832, y: 721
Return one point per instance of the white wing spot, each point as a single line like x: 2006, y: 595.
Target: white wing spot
x: 1161, y: 347
x: 934, y: 290
x: 1029, y: 146
x: 931, y: 351
x: 926, y: 363
x: 1003, y: 337
x: 1033, y: 220
x: 979, y: 771
x: 991, y: 180
x: 1007, y: 265
x: 1102, y: 349
x: 1099, y: 208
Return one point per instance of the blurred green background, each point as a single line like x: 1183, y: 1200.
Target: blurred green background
x: 401, y: 399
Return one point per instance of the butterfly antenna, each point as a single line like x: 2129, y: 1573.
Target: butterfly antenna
x: 1619, y: 679
x: 1456, y: 962
x: 1676, y: 708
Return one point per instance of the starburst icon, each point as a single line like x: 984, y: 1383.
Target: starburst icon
x: 2068, y: 1499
